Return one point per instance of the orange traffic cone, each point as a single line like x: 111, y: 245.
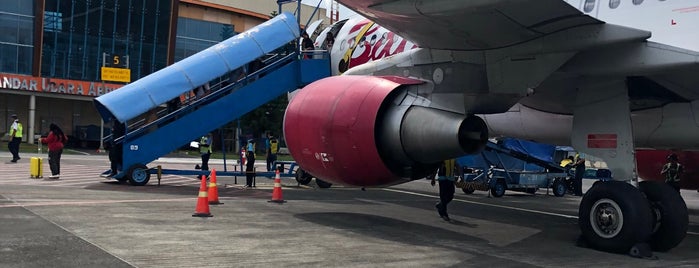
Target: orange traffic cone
x: 277, y: 192
x: 202, y: 202
x: 213, y: 190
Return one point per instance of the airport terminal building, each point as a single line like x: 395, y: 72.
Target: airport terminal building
x: 52, y: 52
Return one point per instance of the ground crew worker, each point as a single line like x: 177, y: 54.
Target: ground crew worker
x: 15, y: 138
x: 205, y: 151
x: 567, y: 162
x: 672, y: 171
x: 272, y: 146
x: 116, y: 151
x: 250, y: 165
x: 446, y: 176
x: 579, y: 165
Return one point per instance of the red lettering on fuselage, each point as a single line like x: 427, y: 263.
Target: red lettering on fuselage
x: 376, y: 43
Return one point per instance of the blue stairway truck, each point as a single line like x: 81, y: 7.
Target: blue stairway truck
x: 282, y: 73
x: 157, y: 88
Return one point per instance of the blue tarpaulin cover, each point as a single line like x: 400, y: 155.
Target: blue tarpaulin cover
x: 543, y: 152
x: 484, y: 160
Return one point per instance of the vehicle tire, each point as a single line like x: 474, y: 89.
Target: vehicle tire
x: 498, y: 189
x: 531, y: 190
x: 614, y: 216
x: 468, y: 190
x: 671, y: 216
x: 302, y: 177
x: 323, y: 184
x: 138, y: 175
x: 559, y: 187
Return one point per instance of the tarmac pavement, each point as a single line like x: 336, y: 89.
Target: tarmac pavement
x: 82, y: 220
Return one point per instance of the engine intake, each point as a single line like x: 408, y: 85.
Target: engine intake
x: 372, y: 131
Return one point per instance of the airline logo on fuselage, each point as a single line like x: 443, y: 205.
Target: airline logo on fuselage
x: 367, y: 41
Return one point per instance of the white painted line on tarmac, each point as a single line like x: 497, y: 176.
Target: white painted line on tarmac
x: 92, y: 202
x: 692, y: 233
x: 490, y: 205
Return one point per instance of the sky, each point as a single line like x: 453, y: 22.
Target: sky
x: 344, y: 12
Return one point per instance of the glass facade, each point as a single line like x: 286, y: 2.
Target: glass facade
x: 78, y: 32
x: 16, y: 36
x: 196, y: 35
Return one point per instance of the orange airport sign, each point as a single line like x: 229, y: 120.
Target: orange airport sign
x: 53, y: 85
x: 116, y: 74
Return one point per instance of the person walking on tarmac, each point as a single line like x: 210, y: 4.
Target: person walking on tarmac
x: 15, y: 138
x: 55, y: 140
x: 205, y: 151
x: 672, y: 170
x: 272, y: 145
x: 579, y: 165
x: 116, y: 151
x: 250, y: 164
x: 446, y: 176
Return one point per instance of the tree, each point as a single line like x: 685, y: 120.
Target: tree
x: 268, y: 117
x: 226, y: 32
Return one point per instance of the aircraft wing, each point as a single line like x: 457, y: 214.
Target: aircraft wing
x: 471, y: 24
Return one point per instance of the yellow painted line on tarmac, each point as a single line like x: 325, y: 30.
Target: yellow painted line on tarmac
x: 490, y: 205
x: 91, y: 202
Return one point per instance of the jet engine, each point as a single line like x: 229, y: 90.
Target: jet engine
x: 374, y: 131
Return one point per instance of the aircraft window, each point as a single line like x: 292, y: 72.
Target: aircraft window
x: 637, y: 2
x: 614, y: 3
x: 589, y: 5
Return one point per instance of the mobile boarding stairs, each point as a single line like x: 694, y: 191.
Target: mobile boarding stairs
x: 229, y: 99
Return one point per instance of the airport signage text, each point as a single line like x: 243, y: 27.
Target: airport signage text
x: 53, y: 85
x: 116, y: 74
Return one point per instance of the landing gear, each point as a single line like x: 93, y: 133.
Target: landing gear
x: 138, y: 175
x: 323, y: 184
x: 671, y: 216
x: 614, y: 216
x: 303, y: 177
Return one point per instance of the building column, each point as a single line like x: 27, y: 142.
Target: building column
x: 30, y: 121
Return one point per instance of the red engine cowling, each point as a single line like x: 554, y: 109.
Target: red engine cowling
x: 369, y: 131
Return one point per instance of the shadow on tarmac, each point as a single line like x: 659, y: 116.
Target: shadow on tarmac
x: 392, y: 229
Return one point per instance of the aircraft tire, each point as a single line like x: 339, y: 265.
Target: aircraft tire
x: 559, y: 187
x: 498, y: 189
x: 303, y: 177
x: 671, y: 216
x: 138, y: 175
x: 323, y: 184
x: 614, y: 216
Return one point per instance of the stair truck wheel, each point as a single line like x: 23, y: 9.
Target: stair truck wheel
x: 498, y: 189
x: 323, y: 184
x: 614, y: 216
x: 559, y: 187
x: 302, y: 177
x: 138, y: 175
x: 671, y: 216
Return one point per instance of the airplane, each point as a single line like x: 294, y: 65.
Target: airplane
x: 613, y: 78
